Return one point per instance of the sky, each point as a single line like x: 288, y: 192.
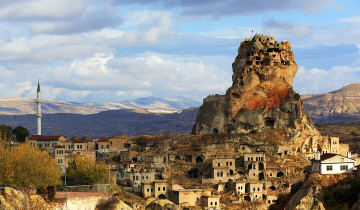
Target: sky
x: 114, y: 50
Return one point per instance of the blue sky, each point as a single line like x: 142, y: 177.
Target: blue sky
x: 113, y: 50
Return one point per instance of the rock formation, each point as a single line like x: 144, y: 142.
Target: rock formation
x: 12, y: 199
x: 261, y: 96
x: 305, y: 199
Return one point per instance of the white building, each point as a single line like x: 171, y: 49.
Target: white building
x: 332, y: 164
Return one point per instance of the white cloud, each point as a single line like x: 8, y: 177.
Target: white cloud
x: 42, y: 9
x: 103, y: 77
x: 353, y: 19
x: 41, y: 48
x: 314, y: 81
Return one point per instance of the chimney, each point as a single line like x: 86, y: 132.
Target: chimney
x: 317, y: 156
x: 349, y: 154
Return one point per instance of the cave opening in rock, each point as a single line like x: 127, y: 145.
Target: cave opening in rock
x: 215, y: 131
x: 269, y: 122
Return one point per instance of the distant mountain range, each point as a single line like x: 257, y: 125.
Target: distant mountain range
x: 154, y: 115
x: 339, y: 106
x: 22, y: 106
x: 108, y: 123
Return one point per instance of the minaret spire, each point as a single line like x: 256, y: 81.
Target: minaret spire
x: 38, y: 113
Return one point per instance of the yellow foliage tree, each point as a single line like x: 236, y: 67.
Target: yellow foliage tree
x: 24, y: 166
x: 82, y: 171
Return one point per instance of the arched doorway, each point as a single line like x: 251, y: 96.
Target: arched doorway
x: 199, y: 159
x: 188, y: 158
x: 162, y: 196
x: 261, y: 166
x: 231, y: 172
x: 215, y: 131
x: 261, y: 176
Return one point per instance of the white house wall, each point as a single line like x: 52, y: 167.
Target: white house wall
x: 336, y: 168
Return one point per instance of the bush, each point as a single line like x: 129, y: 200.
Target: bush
x: 41, y: 190
x: 82, y: 171
x: 51, y: 191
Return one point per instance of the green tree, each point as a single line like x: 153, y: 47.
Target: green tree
x: 75, y: 138
x: 86, y: 138
x: 24, y: 166
x: 5, y: 132
x: 140, y: 140
x: 82, y: 171
x: 21, y: 133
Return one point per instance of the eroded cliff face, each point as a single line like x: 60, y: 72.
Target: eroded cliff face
x: 261, y: 96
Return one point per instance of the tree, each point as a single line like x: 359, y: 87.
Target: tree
x: 21, y: 133
x: 24, y: 166
x: 5, y: 132
x: 82, y: 171
x: 75, y: 138
x: 86, y: 138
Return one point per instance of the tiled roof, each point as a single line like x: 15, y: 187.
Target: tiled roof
x: 44, y: 138
x: 104, y: 139
x: 79, y: 141
x: 327, y: 156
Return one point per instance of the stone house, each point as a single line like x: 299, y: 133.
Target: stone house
x: 46, y: 142
x: 157, y: 189
x: 330, y: 163
x: 188, y: 197
x: 59, y: 155
x: 255, y: 165
x: 223, y: 168
x: 211, y: 201
x: 117, y: 143
x: 103, y: 145
x: 79, y: 145
x: 247, y: 191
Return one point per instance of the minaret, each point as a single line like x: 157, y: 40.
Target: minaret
x: 38, y: 114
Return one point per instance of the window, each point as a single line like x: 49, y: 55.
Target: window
x: 215, y: 203
x: 329, y: 168
x: 159, y: 188
x: 230, y: 163
x: 227, y: 163
x: 60, y: 161
x: 148, y: 190
x: 102, y: 146
x: 218, y: 164
x: 344, y: 167
x: 210, y: 203
x: 163, y: 188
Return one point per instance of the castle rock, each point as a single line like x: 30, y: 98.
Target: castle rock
x: 261, y: 96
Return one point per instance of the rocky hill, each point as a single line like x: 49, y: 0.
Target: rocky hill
x: 339, y: 106
x: 261, y: 96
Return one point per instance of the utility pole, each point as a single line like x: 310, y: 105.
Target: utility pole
x: 65, y: 173
x: 253, y: 205
x: 109, y: 178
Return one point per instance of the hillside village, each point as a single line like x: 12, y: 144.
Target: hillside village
x: 251, y: 147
